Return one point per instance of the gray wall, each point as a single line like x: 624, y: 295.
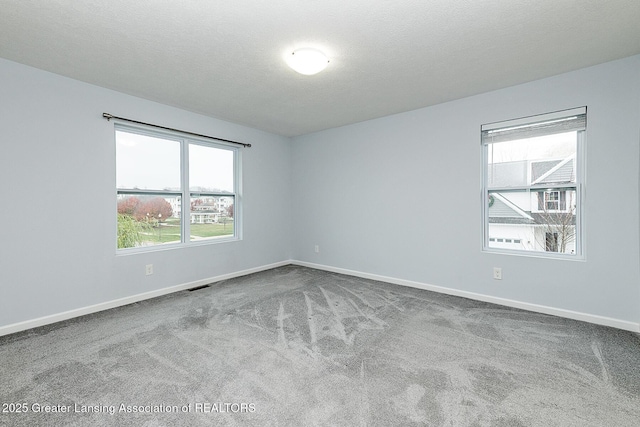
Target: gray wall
x: 397, y: 196
x: 400, y: 196
x: 57, y: 209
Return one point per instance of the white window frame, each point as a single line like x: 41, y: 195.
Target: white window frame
x: 185, y: 193
x: 579, y: 186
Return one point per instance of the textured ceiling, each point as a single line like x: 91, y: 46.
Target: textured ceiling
x: 225, y: 58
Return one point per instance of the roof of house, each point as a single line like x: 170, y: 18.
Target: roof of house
x: 503, y: 211
x: 539, y: 169
x: 516, y: 173
x: 562, y: 172
x: 557, y: 218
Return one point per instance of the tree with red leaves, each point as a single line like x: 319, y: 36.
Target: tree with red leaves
x: 128, y: 206
x: 157, y: 209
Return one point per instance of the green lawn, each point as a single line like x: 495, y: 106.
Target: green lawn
x: 212, y: 230
x: 170, y: 231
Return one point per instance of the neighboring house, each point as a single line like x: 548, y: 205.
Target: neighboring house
x: 176, y: 204
x: 206, y: 211
x: 223, y: 203
x: 540, y: 219
x: 204, y: 217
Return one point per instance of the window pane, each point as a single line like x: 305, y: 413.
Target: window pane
x: 210, y: 169
x: 148, y: 220
x: 211, y: 217
x: 517, y: 214
x: 146, y: 163
x: 154, y: 205
x: 532, y: 161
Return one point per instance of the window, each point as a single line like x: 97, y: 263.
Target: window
x: 552, y: 200
x: 173, y: 190
x: 533, y: 183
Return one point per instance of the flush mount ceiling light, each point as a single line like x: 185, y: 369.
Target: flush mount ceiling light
x: 307, y: 61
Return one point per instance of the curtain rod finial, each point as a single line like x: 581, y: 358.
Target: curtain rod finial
x: 107, y: 116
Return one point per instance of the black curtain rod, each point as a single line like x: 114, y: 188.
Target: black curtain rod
x: 111, y: 116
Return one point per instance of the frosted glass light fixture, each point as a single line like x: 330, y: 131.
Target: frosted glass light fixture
x: 307, y: 61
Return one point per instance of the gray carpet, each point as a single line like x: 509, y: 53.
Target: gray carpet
x: 294, y: 346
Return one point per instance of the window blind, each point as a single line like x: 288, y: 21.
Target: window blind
x: 530, y: 127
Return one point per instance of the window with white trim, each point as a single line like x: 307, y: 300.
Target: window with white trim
x: 174, y: 190
x: 533, y: 184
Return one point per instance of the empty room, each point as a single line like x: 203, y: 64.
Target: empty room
x: 304, y: 213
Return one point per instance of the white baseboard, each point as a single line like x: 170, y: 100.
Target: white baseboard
x: 585, y: 317
x: 46, y: 320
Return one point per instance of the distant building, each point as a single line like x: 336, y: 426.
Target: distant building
x: 205, y: 209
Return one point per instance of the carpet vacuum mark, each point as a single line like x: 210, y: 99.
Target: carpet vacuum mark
x: 295, y: 346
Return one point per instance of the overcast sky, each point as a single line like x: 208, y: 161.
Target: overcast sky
x: 151, y: 163
x: 556, y: 146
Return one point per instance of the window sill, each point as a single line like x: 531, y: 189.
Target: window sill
x: 175, y: 246
x: 534, y: 254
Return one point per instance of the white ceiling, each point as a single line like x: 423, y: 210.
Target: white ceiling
x: 225, y: 58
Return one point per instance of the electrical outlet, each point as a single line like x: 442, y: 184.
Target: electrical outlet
x: 317, y: 249
x: 149, y: 269
x: 497, y: 273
